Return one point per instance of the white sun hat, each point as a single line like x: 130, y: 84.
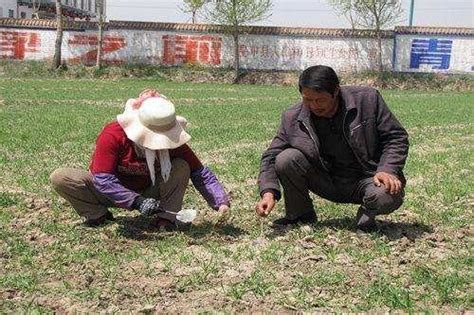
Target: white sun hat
x: 154, y: 125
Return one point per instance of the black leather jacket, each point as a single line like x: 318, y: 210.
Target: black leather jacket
x: 378, y: 140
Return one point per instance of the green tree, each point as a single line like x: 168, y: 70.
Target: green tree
x: 371, y: 14
x: 234, y: 14
x: 193, y: 7
x: 345, y: 8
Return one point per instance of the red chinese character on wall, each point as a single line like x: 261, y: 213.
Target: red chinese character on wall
x: 14, y: 45
x: 372, y: 54
x: 109, y: 44
x: 265, y: 51
x: 244, y: 50
x: 202, y: 49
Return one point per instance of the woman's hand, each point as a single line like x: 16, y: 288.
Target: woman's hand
x: 223, y: 214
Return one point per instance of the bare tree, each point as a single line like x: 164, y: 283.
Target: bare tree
x: 234, y: 14
x: 59, y: 36
x: 372, y: 14
x: 100, y: 36
x: 344, y: 7
x: 36, y: 4
x: 193, y: 7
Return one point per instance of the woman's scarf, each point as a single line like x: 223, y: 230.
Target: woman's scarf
x: 165, y: 163
x: 150, y: 155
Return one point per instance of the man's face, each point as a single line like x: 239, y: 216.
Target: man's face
x: 321, y: 104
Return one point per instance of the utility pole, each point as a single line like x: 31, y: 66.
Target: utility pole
x: 412, y: 5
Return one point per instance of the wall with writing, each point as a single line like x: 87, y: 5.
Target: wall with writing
x: 167, y: 48
x: 173, y: 46
x: 287, y: 53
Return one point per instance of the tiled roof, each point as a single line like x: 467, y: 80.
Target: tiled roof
x: 258, y: 30
x: 46, y: 24
x: 464, y: 31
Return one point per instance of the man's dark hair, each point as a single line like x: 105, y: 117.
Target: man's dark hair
x: 319, y: 78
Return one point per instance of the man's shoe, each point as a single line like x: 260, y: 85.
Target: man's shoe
x: 365, y: 221
x: 108, y: 216
x: 306, y: 218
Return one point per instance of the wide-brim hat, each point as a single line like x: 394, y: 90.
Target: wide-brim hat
x: 154, y: 125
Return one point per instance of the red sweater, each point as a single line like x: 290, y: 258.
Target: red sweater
x: 115, y: 154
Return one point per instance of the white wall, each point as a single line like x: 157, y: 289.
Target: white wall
x: 11, y: 4
x: 435, y: 53
x: 266, y: 52
x: 28, y: 12
x: 298, y: 53
x: 256, y: 51
x: 78, y: 4
x: 7, y: 5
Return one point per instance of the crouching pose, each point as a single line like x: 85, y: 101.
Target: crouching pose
x: 141, y: 161
x: 340, y: 142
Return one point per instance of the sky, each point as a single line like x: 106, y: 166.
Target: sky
x: 299, y: 13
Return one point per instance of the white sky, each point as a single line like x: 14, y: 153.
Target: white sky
x: 299, y: 13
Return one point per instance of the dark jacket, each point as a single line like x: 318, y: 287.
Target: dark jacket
x: 378, y: 140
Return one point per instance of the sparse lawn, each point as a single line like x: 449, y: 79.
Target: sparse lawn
x: 420, y: 261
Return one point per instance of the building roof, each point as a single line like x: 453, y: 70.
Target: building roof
x: 429, y: 30
x: 257, y: 30
x: 46, y: 24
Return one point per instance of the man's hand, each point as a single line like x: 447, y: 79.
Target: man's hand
x: 149, y: 206
x: 265, y: 205
x: 390, y: 181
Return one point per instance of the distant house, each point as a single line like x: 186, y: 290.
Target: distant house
x: 46, y: 9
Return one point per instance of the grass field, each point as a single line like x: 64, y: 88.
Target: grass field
x: 421, y: 260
